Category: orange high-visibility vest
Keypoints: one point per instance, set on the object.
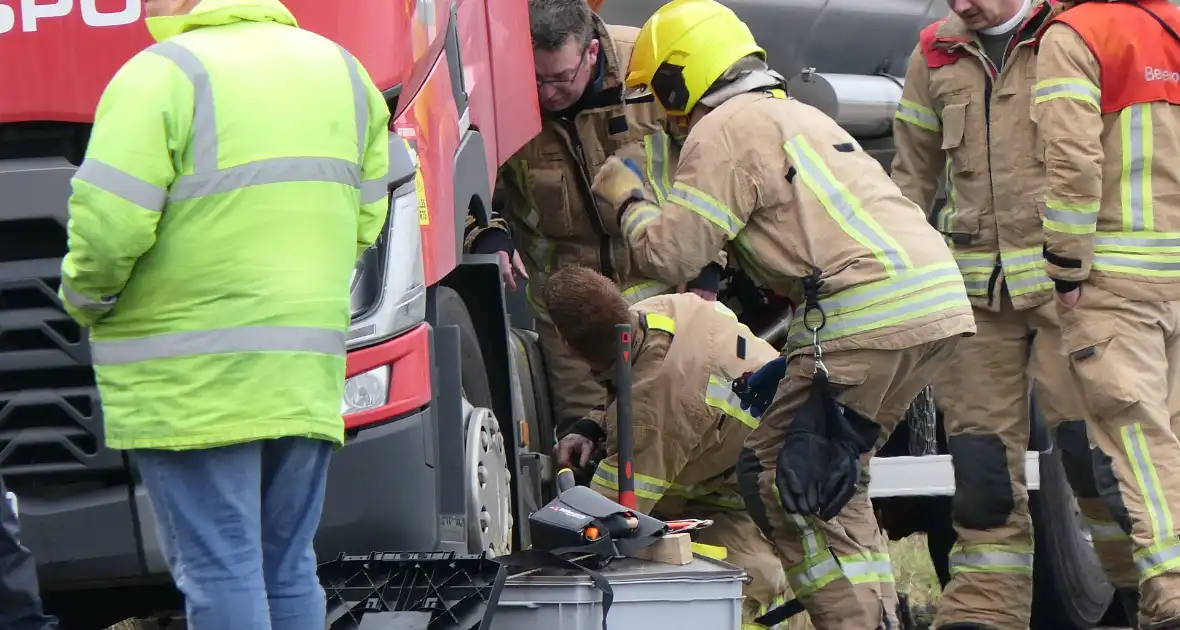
(1139, 60)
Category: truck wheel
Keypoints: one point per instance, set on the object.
(453, 312)
(538, 408)
(1070, 591)
(486, 475)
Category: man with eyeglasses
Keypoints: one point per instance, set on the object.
(546, 212)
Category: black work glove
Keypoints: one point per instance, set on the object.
(709, 279)
(818, 467)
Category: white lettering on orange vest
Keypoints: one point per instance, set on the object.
(1159, 74)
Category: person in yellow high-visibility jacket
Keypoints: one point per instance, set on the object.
(235, 171)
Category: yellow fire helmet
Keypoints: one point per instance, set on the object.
(685, 47)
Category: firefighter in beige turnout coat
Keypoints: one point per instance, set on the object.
(791, 194)
(965, 113)
(688, 425)
(1107, 106)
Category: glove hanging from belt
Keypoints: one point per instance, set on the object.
(818, 468)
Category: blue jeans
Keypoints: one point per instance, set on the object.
(236, 524)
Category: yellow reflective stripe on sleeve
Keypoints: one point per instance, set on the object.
(655, 155)
(1147, 478)
(656, 321)
(86, 303)
(636, 218)
(643, 290)
(1105, 531)
(122, 184)
(229, 340)
(844, 208)
(719, 395)
(1158, 558)
(946, 216)
(1067, 218)
(1135, 184)
(1154, 254)
(976, 268)
(1016, 559)
(647, 487)
(918, 115)
(208, 178)
(707, 208)
(914, 294)
(1076, 89)
(1024, 271)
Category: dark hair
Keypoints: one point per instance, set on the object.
(554, 22)
(585, 307)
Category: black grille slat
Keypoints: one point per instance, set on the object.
(51, 434)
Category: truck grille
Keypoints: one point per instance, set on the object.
(50, 416)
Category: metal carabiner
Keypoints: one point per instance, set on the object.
(818, 356)
(818, 353)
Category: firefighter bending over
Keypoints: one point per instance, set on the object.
(1107, 105)
(984, 54)
(793, 197)
(544, 189)
(688, 425)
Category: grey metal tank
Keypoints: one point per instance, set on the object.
(846, 57)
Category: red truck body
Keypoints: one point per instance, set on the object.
(458, 77)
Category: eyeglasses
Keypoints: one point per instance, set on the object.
(573, 73)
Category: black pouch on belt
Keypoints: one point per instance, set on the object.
(819, 464)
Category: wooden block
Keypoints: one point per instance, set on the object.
(670, 549)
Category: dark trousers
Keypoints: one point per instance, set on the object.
(20, 604)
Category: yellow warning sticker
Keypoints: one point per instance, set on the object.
(423, 211)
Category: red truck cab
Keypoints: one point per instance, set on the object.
(432, 404)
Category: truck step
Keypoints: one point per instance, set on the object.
(928, 475)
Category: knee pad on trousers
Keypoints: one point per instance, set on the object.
(1075, 457)
(1108, 489)
(981, 463)
(748, 471)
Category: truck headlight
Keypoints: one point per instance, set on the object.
(365, 391)
(389, 286)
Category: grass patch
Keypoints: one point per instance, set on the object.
(915, 576)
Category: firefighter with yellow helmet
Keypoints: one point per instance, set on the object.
(799, 205)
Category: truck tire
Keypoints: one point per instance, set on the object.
(538, 407)
(1070, 591)
(474, 374)
(486, 475)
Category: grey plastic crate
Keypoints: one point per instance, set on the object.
(702, 595)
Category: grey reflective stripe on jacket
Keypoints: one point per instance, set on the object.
(208, 179)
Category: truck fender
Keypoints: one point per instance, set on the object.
(473, 191)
